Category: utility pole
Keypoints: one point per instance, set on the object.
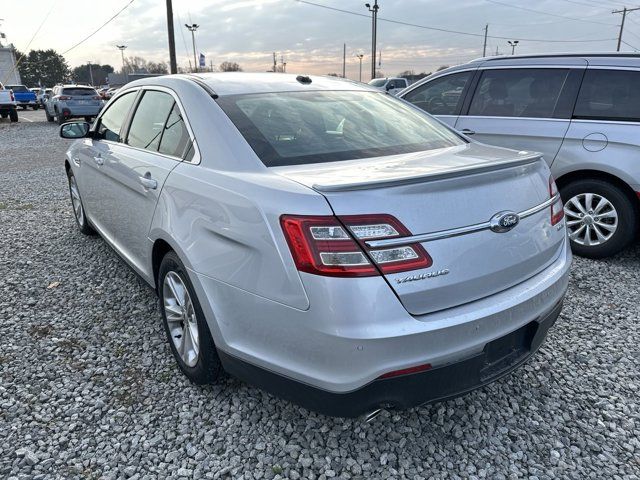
(374, 27)
(344, 60)
(275, 65)
(122, 49)
(513, 44)
(173, 66)
(90, 72)
(192, 28)
(624, 12)
(486, 33)
(360, 55)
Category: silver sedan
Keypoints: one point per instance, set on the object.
(322, 239)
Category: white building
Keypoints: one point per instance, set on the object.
(9, 74)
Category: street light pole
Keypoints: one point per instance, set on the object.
(513, 44)
(374, 27)
(122, 49)
(192, 28)
(360, 55)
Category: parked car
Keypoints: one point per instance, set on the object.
(345, 264)
(391, 85)
(110, 93)
(69, 101)
(24, 97)
(41, 94)
(581, 111)
(8, 104)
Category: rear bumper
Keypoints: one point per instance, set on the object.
(81, 111)
(497, 359)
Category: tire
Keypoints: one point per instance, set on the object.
(203, 368)
(60, 119)
(619, 215)
(77, 206)
(13, 115)
(4, 115)
(36, 107)
(24, 107)
(49, 117)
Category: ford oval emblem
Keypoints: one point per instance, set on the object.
(504, 221)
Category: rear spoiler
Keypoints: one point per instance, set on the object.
(451, 173)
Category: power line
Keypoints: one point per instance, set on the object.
(576, 19)
(457, 32)
(629, 45)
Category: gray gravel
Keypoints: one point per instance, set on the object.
(88, 387)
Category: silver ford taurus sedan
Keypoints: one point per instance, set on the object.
(321, 239)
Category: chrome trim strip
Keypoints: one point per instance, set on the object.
(454, 232)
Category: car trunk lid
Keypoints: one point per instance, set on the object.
(447, 198)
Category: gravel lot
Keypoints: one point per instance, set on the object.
(88, 387)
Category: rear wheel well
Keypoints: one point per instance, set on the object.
(598, 175)
(160, 249)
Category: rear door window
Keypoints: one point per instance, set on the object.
(609, 95)
(149, 120)
(518, 92)
(114, 117)
(175, 139)
(441, 96)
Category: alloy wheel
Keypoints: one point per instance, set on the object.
(591, 219)
(181, 318)
(75, 200)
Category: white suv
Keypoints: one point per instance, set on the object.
(391, 85)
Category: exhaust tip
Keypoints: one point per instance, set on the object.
(369, 417)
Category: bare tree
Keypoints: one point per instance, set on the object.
(442, 67)
(140, 65)
(230, 67)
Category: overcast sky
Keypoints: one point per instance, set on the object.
(310, 37)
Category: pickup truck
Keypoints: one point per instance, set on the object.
(24, 97)
(8, 104)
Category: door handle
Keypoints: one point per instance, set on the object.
(98, 160)
(148, 182)
(466, 131)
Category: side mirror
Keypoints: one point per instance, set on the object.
(389, 86)
(73, 130)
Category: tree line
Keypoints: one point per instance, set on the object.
(48, 68)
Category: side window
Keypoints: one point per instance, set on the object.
(111, 121)
(149, 120)
(442, 96)
(526, 92)
(609, 95)
(175, 138)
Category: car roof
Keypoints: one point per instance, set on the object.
(598, 58)
(236, 83)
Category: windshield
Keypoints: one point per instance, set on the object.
(17, 88)
(79, 91)
(378, 82)
(323, 126)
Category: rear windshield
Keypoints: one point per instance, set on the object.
(323, 126)
(17, 88)
(79, 91)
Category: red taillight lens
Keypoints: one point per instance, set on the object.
(407, 371)
(326, 245)
(64, 97)
(557, 209)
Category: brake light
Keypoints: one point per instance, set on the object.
(557, 209)
(13, 98)
(64, 97)
(335, 246)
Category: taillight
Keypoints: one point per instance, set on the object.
(557, 209)
(64, 97)
(13, 98)
(96, 97)
(335, 246)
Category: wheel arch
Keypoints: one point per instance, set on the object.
(160, 248)
(569, 177)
